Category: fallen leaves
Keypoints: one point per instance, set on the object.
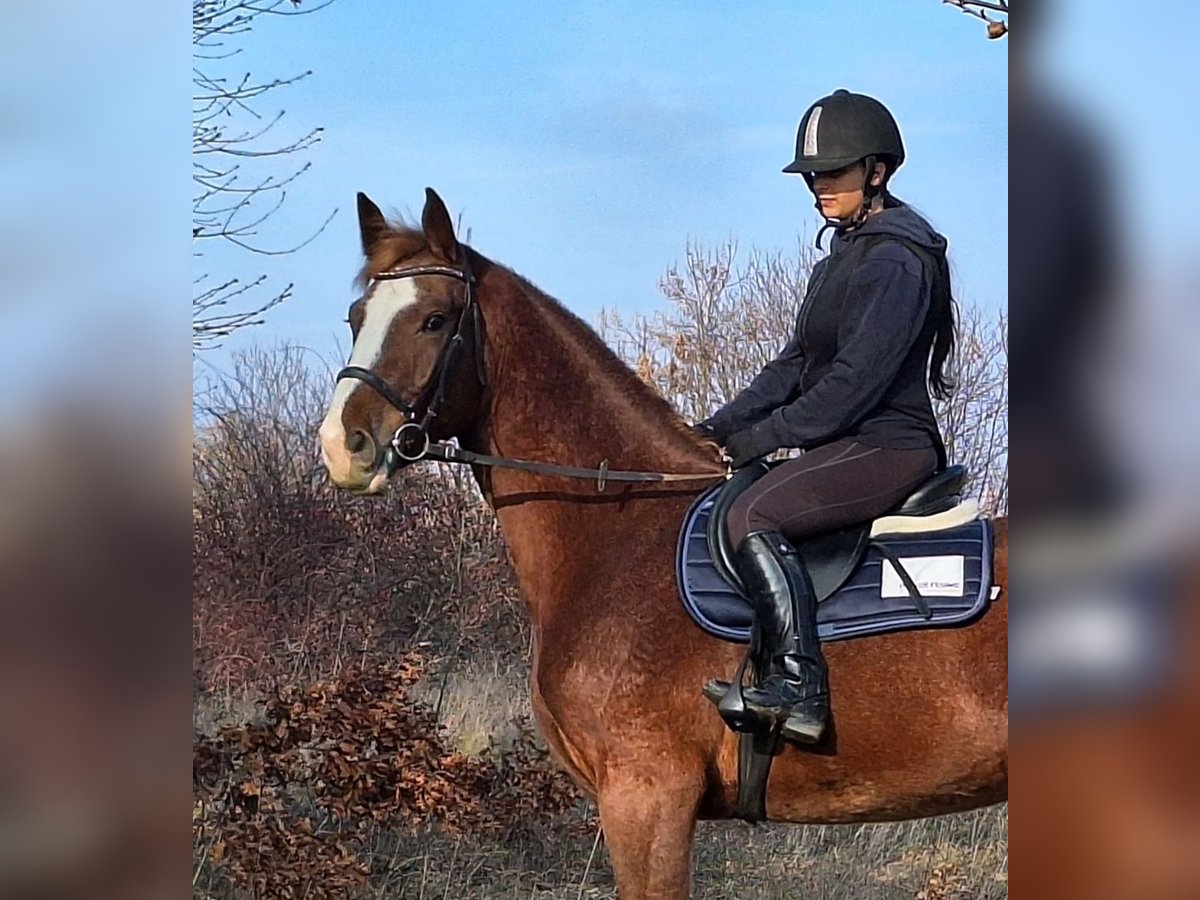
(287, 805)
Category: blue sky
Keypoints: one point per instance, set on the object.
(585, 145)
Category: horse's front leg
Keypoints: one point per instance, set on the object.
(648, 811)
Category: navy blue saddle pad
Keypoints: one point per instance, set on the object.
(952, 567)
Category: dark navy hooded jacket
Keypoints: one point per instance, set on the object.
(856, 365)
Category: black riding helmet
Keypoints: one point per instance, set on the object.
(844, 128)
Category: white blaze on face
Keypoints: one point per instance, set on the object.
(383, 304)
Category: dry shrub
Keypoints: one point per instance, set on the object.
(974, 420)
(724, 320)
(292, 579)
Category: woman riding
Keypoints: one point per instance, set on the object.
(872, 341)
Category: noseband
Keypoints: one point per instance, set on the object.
(415, 430)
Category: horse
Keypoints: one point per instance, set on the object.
(920, 718)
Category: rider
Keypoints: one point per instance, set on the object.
(851, 388)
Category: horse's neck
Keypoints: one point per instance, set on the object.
(557, 396)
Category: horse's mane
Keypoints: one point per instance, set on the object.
(403, 240)
(601, 356)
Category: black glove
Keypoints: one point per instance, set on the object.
(703, 430)
(744, 447)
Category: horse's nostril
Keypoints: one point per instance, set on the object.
(358, 441)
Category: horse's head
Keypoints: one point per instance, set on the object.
(415, 331)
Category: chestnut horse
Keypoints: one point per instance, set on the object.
(920, 719)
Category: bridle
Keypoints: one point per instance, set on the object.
(411, 441)
(415, 430)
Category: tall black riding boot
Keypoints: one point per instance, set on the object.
(793, 686)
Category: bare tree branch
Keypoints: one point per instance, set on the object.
(232, 142)
(996, 27)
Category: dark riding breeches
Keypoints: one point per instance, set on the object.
(829, 487)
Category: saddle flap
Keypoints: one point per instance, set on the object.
(832, 558)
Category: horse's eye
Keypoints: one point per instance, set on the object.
(434, 322)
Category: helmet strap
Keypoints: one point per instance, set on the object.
(870, 192)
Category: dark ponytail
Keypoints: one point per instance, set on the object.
(943, 312)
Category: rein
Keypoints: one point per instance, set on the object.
(414, 433)
(448, 453)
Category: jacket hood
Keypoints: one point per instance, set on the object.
(901, 221)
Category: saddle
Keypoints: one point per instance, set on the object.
(926, 563)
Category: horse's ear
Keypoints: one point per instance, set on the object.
(371, 223)
(439, 230)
